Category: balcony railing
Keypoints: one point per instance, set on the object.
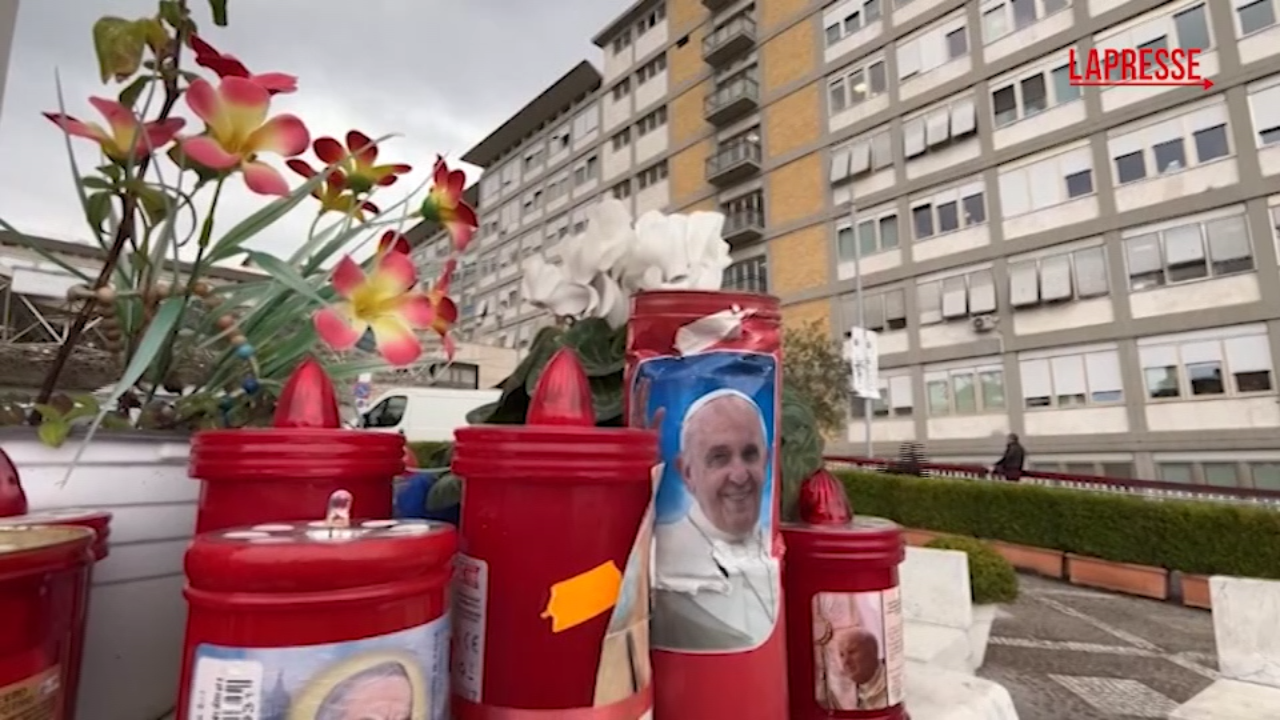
(716, 5)
(732, 100)
(1149, 489)
(734, 161)
(733, 39)
(743, 226)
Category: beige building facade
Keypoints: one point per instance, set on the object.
(1092, 268)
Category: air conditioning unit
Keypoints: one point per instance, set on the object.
(985, 323)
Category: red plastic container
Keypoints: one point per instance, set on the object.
(44, 576)
(553, 514)
(13, 501)
(266, 475)
(844, 620)
(300, 618)
(100, 523)
(714, 628)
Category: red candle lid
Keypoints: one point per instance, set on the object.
(12, 500)
(308, 399)
(823, 500)
(562, 395)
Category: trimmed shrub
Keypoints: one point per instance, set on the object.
(1193, 537)
(992, 579)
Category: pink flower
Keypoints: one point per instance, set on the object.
(384, 302)
(444, 204)
(237, 130)
(128, 138)
(226, 66)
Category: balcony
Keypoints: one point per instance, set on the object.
(716, 5)
(735, 38)
(732, 100)
(734, 161)
(742, 227)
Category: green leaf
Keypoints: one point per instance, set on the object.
(95, 183)
(445, 492)
(48, 411)
(234, 239)
(173, 12)
(219, 8)
(98, 208)
(119, 44)
(606, 398)
(285, 275)
(153, 31)
(85, 406)
(597, 346)
(152, 201)
(481, 415)
(153, 342)
(130, 94)
(54, 432)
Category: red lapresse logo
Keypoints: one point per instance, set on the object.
(1138, 67)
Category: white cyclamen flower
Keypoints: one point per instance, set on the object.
(548, 287)
(677, 252)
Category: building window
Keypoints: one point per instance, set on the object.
(621, 139)
(622, 190)
(622, 42)
(586, 171)
(897, 398)
(622, 89)
(750, 275)
(1189, 251)
(651, 69)
(934, 47)
(1047, 182)
(965, 391)
(1172, 145)
(650, 21)
(1063, 277)
(535, 157)
(958, 296)
(854, 84)
(1187, 29)
(653, 175)
(877, 232)
(1265, 475)
(881, 311)
(868, 153)
(1215, 363)
(747, 208)
(560, 139)
(652, 121)
(1255, 16)
(557, 187)
(587, 122)
(1072, 380)
(1264, 106)
(1033, 93)
(946, 211)
(938, 127)
(856, 19)
(1006, 16)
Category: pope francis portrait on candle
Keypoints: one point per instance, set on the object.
(716, 580)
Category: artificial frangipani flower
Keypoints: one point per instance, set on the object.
(385, 302)
(238, 130)
(444, 204)
(126, 138)
(615, 258)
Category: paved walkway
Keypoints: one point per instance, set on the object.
(1066, 653)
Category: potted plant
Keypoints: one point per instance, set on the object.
(587, 289)
(161, 346)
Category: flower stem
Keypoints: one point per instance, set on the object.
(124, 235)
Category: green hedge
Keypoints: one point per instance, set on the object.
(992, 579)
(1193, 537)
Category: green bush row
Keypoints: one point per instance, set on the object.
(992, 579)
(1193, 537)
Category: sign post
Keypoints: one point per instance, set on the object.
(862, 351)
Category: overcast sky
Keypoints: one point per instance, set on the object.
(444, 74)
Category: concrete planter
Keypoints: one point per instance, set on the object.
(1195, 592)
(1138, 580)
(137, 614)
(1048, 563)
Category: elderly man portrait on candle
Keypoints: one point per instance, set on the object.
(716, 581)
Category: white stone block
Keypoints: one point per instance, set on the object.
(937, 694)
(935, 587)
(937, 646)
(1245, 629)
(984, 616)
(1228, 700)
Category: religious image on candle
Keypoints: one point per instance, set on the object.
(857, 650)
(716, 580)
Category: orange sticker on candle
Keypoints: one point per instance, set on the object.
(583, 597)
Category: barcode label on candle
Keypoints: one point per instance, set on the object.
(226, 690)
(470, 610)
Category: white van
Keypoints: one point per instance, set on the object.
(424, 414)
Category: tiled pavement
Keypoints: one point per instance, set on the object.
(1066, 653)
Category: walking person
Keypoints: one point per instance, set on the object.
(1010, 464)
